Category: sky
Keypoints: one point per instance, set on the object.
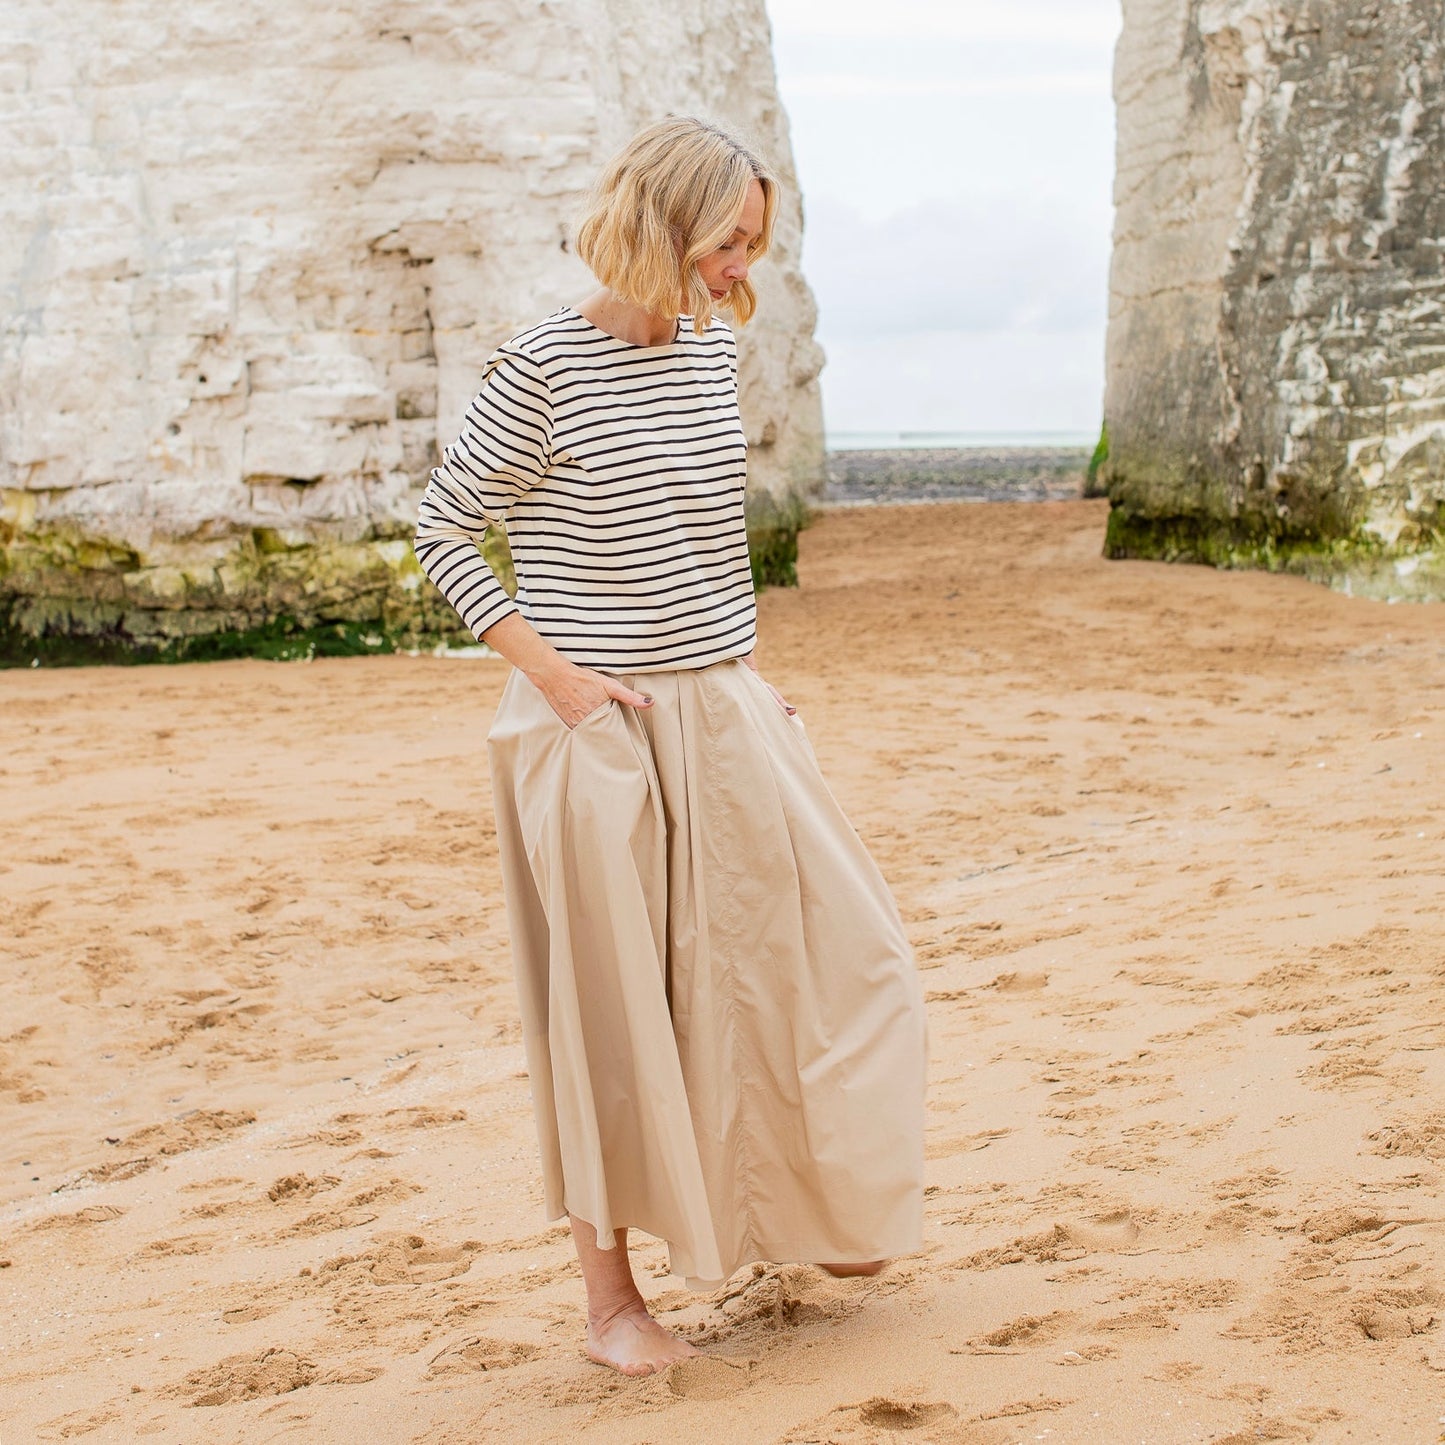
(956, 159)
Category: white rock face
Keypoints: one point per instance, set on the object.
(1276, 356)
(255, 256)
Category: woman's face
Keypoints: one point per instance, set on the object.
(729, 263)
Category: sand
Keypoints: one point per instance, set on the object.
(1169, 843)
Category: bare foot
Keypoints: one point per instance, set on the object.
(851, 1271)
(633, 1343)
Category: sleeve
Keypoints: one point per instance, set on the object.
(503, 451)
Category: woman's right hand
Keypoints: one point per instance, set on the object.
(574, 693)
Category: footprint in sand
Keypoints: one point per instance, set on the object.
(1421, 1138)
(337, 1138)
(144, 1148)
(1087, 1355)
(387, 1191)
(1330, 1225)
(477, 1354)
(272, 1372)
(93, 1214)
(1301, 1317)
(770, 1297)
(1019, 982)
(1025, 1330)
(77, 1422)
(193, 1130)
(899, 1415)
(326, 1222)
(413, 1117)
(111, 1173)
(1144, 1317)
(964, 1143)
(708, 1377)
(419, 1118)
(180, 1245)
(394, 1259)
(862, 1424)
(362, 1207)
(300, 1186)
(1114, 1231)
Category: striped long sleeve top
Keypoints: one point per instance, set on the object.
(618, 472)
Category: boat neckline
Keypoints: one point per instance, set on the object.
(634, 345)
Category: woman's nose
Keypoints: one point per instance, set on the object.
(738, 271)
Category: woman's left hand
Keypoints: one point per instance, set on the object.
(782, 702)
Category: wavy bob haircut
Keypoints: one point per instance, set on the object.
(672, 194)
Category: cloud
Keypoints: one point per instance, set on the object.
(956, 160)
(1085, 22)
(979, 263)
(967, 381)
(852, 86)
(888, 124)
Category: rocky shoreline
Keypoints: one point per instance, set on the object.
(955, 474)
(67, 600)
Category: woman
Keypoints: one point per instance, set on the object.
(723, 1025)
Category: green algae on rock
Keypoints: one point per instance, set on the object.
(1093, 486)
(68, 598)
(1359, 565)
(773, 527)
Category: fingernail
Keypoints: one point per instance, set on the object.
(792, 710)
(646, 699)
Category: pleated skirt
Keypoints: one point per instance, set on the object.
(723, 1022)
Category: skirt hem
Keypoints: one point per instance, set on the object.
(789, 1251)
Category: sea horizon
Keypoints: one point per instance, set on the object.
(852, 441)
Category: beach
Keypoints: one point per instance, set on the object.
(1169, 845)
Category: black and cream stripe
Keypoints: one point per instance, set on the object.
(618, 472)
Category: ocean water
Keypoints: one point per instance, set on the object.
(856, 441)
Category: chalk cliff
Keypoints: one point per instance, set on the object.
(255, 256)
(1276, 352)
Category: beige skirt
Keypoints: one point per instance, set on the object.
(723, 1022)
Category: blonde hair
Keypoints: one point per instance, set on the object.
(669, 196)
